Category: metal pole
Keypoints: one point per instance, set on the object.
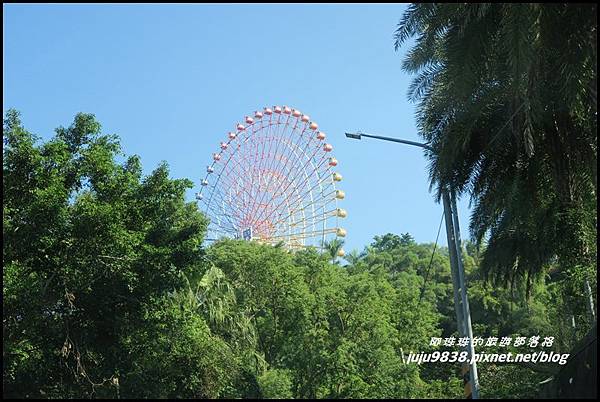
(465, 301)
(453, 263)
(407, 142)
(461, 303)
(464, 325)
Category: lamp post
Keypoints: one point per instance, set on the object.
(461, 302)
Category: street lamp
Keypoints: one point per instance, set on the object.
(461, 302)
(358, 135)
(355, 136)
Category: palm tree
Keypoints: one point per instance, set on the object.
(215, 298)
(333, 248)
(507, 99)
(353, 257)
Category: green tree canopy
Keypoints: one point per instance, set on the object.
(89, 246)
(507, 99)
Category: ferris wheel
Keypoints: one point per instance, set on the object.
(272, 181)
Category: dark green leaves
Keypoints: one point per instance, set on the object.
(505, 97)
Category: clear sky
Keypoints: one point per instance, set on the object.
(172, 80)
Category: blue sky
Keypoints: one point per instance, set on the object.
(172, 80)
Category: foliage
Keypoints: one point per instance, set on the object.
(109, 292)
(88, 245)
(174, 355)
(507, 100)
(332, 248)
(275, 384)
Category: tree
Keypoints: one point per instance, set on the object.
(333, 248)
(174, 355)
(387, 242)
(353, 257)
(275, 384)
(507, 100)
(89, 246)
(108, 293)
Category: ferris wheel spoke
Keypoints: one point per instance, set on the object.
(235, 181)
(304, 194)
(299, 197)
(223, 199)
(221, 214)
(240, 184)
(221, 231)
(285, 137)
(305, 182)
(293, 219)
(285, 189)
(308, 174)
(266, 206)
(238, 146)
(291, 201)
(272, 226)
(278, 128)
(327, 214)
(254, 168)
(319, 204)
(281, 133)
(305, 235)
(279, 191)
(241, 164)
(240, 190)
(225, 205)
(259, 198)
